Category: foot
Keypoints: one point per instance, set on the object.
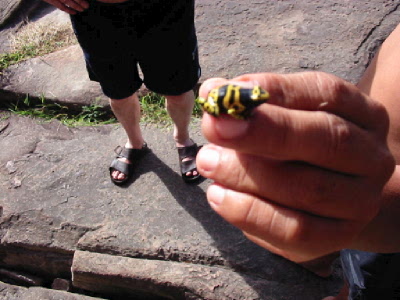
(120, 168)
(187, 155)
(187, 143)
(118, 175)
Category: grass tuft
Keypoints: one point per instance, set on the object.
(89, 115)
(152, 106)
(153, 110)
(36, 40)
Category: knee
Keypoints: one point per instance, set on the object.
(124, 101)
(180, 99)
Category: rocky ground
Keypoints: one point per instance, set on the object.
(64, 226)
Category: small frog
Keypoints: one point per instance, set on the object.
(233, 100)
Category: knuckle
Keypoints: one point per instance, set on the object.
(287, 136)
(298, 233)
(251, 215)
(385, 164)
(382, 118)
(235, 168)
(340, 137)
(335, 90)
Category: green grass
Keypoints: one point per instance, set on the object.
(88, 116)
(8, 59)
(152, 106)
(153, 110)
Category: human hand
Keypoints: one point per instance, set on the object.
(304, 175)
(69, 6)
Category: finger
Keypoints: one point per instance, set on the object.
(285, 229)
(292, 256)
(77, 5)
(209, 84)
(315, 137)
(60, 5)
(264, 244)
(292, 184)
(321, 266)
(321, 91)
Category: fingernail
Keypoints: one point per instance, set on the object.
(208, 159)
(215, 195)
(231, 128)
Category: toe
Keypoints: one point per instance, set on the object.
(121, 176)
(192, 174)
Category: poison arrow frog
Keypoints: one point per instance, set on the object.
(233, 100)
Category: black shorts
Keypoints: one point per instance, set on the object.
(157, 35)
(371, 276)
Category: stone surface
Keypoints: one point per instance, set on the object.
(7, 9)
(11, 292)
(20, 278)
(60, 77)
(121, 275)
(338, 37)
(13, 14)
(158, 235)
(66, 202)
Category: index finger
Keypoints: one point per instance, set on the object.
(315, 91)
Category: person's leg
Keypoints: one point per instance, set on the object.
(127, 111)
(180, 110)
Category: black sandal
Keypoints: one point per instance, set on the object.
(188, 165)
(133, 155)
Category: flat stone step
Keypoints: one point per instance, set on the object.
(12, 292)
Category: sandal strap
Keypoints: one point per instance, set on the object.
(121, 166)
(188, 151)
(188, 166)
(129, 153)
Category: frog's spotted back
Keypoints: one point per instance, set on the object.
(233, 100)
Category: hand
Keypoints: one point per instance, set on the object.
(304, 175)
(69, 6)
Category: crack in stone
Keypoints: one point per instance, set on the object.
(373, 29)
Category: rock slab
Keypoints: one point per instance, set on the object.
(158, 236)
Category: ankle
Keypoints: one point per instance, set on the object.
(183, 142)
(135, 145)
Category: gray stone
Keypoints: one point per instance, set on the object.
(290, 36)
(13, 14)
(114, 275)
(61, 284)
(7, 9)
(11, 292)
(60, 77)
(29, 11)
(158, 235)
(20, 278)
(55, 211)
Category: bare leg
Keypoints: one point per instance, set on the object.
(180, 110)
(127, 111)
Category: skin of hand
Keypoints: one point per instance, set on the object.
(380, 81)
(304, 175)
(69, 6)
